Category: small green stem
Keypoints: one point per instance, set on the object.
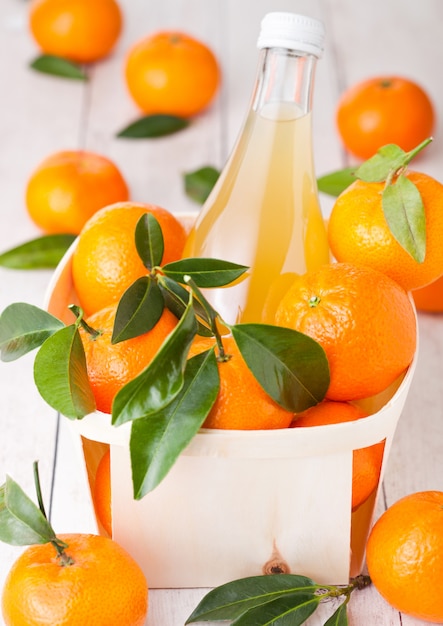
(59, 545)
(78, 312)
(212, 319)
(336, 591)
(407, 159)
(413, 153)
(38, 489)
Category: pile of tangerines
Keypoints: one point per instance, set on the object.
(357, 308)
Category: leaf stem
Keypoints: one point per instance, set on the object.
(413, 153)
(212, 318)
(59, 545)
(78, 312)
(335, 591)
(38, 489)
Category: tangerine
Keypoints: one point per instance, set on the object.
(78, 30)
(103, 586)
(106, 262)
(68, 187)
(359, 233)
(404, 555)
(102, 492)
(172, 73)
(364, 321)
(241, 404)
(110, 366)
(430, 297)
(366, 462)
(384, 110)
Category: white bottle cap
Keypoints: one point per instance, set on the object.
(295, 32)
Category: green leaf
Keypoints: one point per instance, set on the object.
(139, 309)
(404, 212)
(233, 599)
(158, 440)
(151, 126)
(204, 272)
(290, 366)
(339, 618)
(291, 610)
(21, 521)
(384, 163)
(41, 253)
(24, 327)
(176, 298)
(158, 384)
(57, 66)
(149, 241)
(335, 183)
(60, 374)
(199, 183)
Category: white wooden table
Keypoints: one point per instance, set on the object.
(41, 114)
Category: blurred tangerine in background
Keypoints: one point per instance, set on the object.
(79, 30)
(68, 187)
(171, 73)
(384, 110)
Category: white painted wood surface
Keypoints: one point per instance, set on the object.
(40, 114)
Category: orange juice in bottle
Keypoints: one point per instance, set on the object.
(264, 211)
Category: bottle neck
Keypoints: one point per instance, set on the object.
(284, 76)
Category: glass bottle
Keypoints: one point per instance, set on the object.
(264, 210)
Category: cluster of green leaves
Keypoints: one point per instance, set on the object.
(169, 400)
(283, 599)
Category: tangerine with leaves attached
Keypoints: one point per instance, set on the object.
(106, 262)
(359, 233)
(101, 584)
(241, 404)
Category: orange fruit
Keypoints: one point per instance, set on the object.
(364, 321)
(430, 297)
(68, 187)
(383, 110)
(241, 404)
(404, 555)
(172, 73)
(78, 30)
(358, 232)
(366, 462)
(103, 586)
(105, 262)
(102, 492)
(111, 366)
